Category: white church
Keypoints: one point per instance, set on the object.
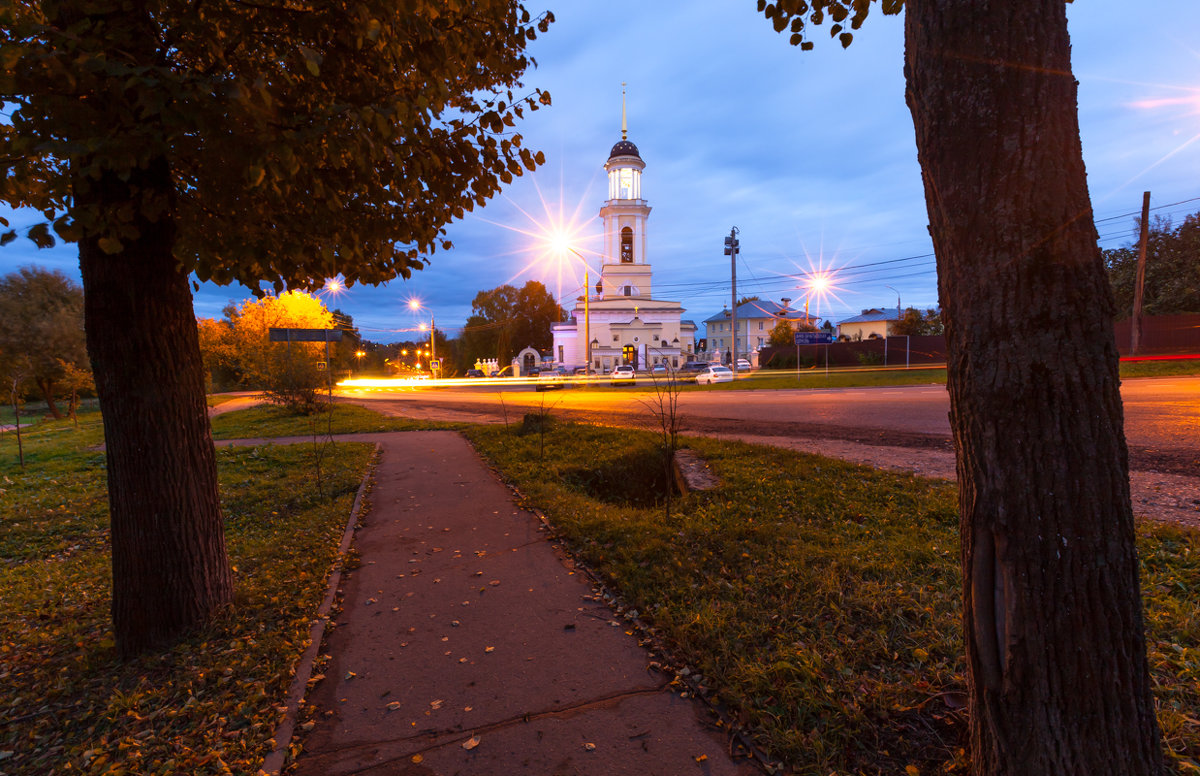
(626, 324)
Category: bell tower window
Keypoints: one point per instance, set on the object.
(627, 245)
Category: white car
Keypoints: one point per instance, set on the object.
(623, 375)
(715, 373)
(743, 364)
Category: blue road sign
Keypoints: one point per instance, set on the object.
(813, 337)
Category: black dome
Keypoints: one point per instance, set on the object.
(624, 148)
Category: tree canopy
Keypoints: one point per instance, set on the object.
(41, 330)
(303, 140)
(506, 319)
(914, 322)
(1172, 283)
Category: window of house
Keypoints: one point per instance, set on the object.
(760, 326)
(560, 355)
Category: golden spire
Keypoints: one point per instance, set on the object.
(624, 126)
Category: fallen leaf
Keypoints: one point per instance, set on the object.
(471, 743)
(489, 649)
(590, 747)
(436, 704)
(416, 758)
(393, 705)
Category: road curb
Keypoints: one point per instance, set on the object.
(273, 762)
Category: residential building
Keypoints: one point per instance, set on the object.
(873, 323)
(756, 320)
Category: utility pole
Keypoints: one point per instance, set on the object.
(433, 347)
(731, 250)
(1135, 325)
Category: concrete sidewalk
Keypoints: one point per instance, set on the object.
(467, 645)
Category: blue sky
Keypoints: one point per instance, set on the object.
(810, 154)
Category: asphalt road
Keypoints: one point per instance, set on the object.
(1162, 415)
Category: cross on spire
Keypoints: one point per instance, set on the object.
(624, 125)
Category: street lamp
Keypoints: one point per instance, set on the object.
(817, 284)
(561, 245)
(415, 305)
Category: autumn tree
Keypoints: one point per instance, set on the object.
(240, 349)
(275, 144)
(782, 335)
(1172, 282)
(1052, 613)
(41, 330)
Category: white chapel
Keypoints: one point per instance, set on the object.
(627, 325)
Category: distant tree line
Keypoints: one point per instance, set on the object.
(1172, 283)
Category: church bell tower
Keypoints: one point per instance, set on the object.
(624, 270)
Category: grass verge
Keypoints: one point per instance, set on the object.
(818, 600)
(864, 377)
(208, 705)
(266, 421)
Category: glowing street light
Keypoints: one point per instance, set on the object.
(561, 244)
(817, 283)
(415, 305)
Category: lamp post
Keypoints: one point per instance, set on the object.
(587, 314)
(415, 305)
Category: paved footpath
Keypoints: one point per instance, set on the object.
(467, 645)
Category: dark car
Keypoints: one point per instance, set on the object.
(693, 367)
(474, 373)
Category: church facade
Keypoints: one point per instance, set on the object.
(620, 316)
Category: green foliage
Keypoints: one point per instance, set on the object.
(916, 323)
(41, 332)
(507, 319)
(299, 143)
(207, 706)
(795, 15)
(819, 600)
(1172, 283)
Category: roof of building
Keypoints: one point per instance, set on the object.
(624, 148)
(874, 315)
(759, 308)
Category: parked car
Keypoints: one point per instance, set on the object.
(743, 364)
(693, 367)
(659, 370)
(549, 379)
(623, 375)
(474, 373)
(715, 373)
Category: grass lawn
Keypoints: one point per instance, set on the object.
(266, 421)
(860, 377)
(818, 600)
(206, 706)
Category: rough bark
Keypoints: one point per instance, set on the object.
(1052, 615)
(170, 571)
(47, 389)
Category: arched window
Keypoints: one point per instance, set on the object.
(627, 246)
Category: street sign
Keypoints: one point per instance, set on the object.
(813, 337)
(305, 335)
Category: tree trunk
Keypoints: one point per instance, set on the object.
(47, 388)
(1052, 611)
(170, 570)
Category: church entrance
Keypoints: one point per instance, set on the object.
(629, 355)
